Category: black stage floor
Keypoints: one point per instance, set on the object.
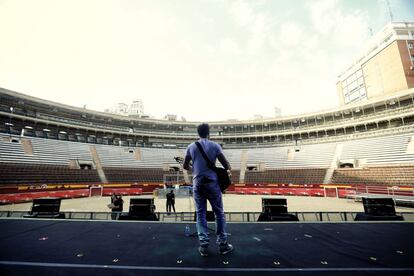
(65, 247)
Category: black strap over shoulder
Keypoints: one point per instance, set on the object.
(223, 177)
(210, 164)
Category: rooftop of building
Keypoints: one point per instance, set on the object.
(388, 34)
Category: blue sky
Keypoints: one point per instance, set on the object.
(204, 60)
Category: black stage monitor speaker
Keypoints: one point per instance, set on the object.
(46, 208)
(209, 216)
(379, 206)
(140, 209)
(141, 206)
(377, 209)
(275, 209)
(274, 205)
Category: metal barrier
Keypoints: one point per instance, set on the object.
(179, 193)
(230, 216)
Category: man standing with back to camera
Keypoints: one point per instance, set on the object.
(206, 187)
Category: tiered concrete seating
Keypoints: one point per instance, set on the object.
(295, 176)
(389, 175)
(16, 173)
(391, 149)
(280, 164)
(45, 151)
(132, 175)
(315, 156)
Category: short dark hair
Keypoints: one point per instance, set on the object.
(203, 130)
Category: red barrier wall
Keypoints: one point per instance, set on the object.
(26, 197)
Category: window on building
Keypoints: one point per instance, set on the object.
(354, 96)
(410, 45)
(352, 78)
(352, 86)
(362, 92)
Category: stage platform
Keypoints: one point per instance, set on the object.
(74, 247)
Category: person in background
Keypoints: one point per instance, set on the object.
(118, 206)
(170, 201)
(111, 205)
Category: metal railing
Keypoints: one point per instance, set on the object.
(246, 217)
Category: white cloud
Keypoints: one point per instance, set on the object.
(324, 15)
(352, 30)
(229, 46)
(329, 20)
(259, 33)
(291, 34)
(254, 23)
(242, 12)
(253, 54)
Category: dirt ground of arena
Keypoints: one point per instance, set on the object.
(232, 203)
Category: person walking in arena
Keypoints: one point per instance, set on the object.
(206, 187)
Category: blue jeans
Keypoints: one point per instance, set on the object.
(211, 192)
